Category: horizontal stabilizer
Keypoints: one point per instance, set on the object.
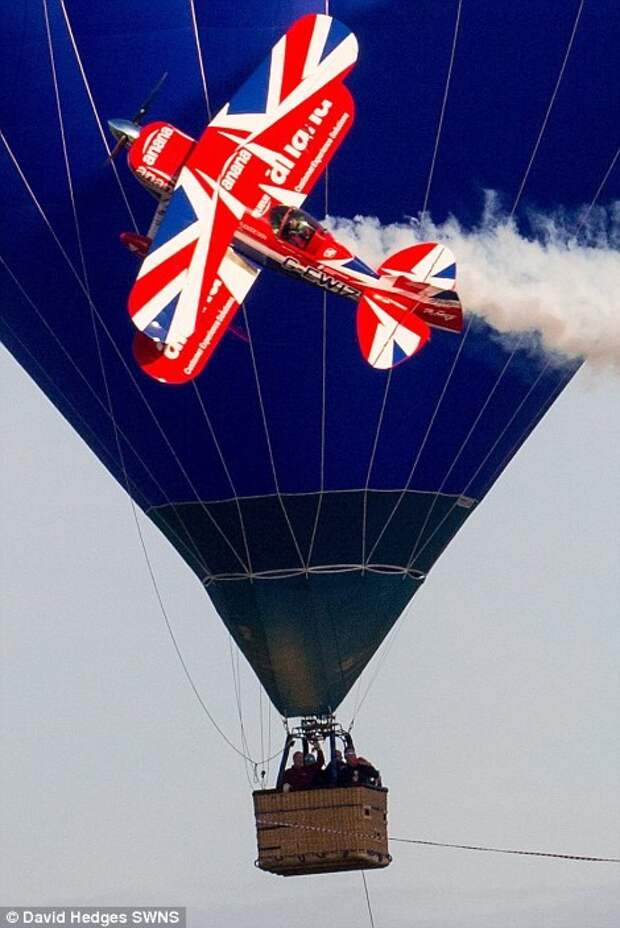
(388, 330)
(425, 263)
(442, 310)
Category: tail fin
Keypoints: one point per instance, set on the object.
(427, 271)
(388, 329)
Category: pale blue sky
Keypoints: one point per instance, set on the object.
(494, 718)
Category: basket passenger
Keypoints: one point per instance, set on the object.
(305, 771)
(358, 771)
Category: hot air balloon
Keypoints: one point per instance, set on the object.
(309, 493)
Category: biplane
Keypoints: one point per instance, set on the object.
(231, 203)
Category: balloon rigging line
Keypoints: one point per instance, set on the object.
(194, 384)
(106, 385)
(443, 107)
(260, 718)
(99, 123)
(65, 151)
(81, 250)
(319, 504)
(120, 453)
(555, 392)
(426, 437)
(503, 850)
(179, 654)
(389, 377)
(486, 458)
(237, 691)
(462, 447)
(108, 408)
(416, 552)
(586, 215)
(221, 455)
(87, 383)
(100, 402)
(321, 494)
(372, 921)
(371, 462)
(95, 113)
(117, 350)
(113, 461)
(268, 439)
(394, 633)
(200, 59)
(488, 398)
(549, 108)
(227, 472)
(104, 452)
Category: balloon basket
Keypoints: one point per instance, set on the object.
(321, 830)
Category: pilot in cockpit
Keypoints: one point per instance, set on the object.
(293, 226)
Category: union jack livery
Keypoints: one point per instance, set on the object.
(230, 204)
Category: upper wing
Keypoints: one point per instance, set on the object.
(271, 142)
(290, 117)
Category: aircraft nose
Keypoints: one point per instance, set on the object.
(124, 130)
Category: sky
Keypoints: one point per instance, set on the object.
(494, 715)
(493, 718)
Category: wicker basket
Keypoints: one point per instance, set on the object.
(321, 830)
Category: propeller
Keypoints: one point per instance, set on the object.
(127, 130)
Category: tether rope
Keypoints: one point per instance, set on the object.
(269, 822)
(503, 850)
(366, 893)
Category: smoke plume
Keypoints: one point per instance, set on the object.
(562, 282)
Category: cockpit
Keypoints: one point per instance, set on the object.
(294, 226)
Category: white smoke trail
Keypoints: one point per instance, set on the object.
(567, 290)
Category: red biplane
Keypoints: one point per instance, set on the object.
(230, 204)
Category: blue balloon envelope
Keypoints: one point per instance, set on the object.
(310, 493)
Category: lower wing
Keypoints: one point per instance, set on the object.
(180, 361)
